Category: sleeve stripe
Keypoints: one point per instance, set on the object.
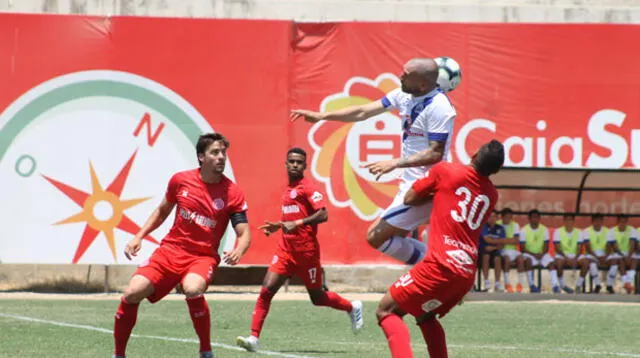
(441, 137)
(385, 102)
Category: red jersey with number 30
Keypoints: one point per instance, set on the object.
(202, 211)
(300, 200)
(462, 204)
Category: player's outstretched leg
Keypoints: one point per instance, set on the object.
(392, 241)
(397, 333)
(434, 336)
(270, 285)
(194, 286)
(139, 288)
(320, 297)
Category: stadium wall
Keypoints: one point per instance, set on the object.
(98, 113)
(546, 11)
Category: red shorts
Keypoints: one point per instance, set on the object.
(430, 287)
(169, 264)
(305, 265)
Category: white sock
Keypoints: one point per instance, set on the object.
(506, 278)
(595, 275)
(521, 277)
(624, 278)
(580, 281)
(562, 281)
(631, 275)
(554, 278)
(611, 276)
(487, 283)
(530, 277)
(407, 250)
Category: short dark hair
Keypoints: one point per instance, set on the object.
(205, 140)
(534, 212)
(569, 215)
(506, 210)
(489, 158)
(297, 150)
(597, 216)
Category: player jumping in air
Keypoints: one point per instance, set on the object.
(206, 201)
(427, 120)
(298, 251)
(463, 198)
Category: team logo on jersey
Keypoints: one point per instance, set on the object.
(293, 194)
(316, 197)
(341, 149)
(97, 179)
(460, 257)
(218, 204)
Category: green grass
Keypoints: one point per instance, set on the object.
(517, 329)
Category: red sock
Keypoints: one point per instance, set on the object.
(433, 334)
(334, 300)
(125, 319)
(199, 312)
(260, 311)
(397, 336)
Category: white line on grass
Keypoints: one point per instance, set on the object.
(161, 338)
(509, 348)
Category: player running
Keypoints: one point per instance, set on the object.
(206, 201)
(298, 251)
(427, 116)
(463, 198)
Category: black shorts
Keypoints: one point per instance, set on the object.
(492, 254)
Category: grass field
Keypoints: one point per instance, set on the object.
(82, 328)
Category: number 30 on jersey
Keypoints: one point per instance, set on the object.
(472, 216)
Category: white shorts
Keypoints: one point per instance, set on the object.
(511, 254)
(544, 262)
(566, 256)
(404, 216)
(598, 253)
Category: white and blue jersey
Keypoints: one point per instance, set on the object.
(425, 118)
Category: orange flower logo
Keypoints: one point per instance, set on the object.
(341, 149)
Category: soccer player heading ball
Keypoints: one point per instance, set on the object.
(206, 201)
(427, 120)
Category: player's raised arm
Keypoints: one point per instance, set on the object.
(349, 114)
(423, 189)
(153, 222)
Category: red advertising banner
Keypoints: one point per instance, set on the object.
(97, 113)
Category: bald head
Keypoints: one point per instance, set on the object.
(420, 76)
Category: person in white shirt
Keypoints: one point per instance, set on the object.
(427, 116)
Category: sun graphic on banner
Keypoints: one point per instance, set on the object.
(102, 210)
(342, 149)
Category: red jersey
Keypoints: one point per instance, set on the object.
(300, 200)
(462, 204)
(202, 211)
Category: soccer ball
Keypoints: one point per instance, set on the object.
(449, 75)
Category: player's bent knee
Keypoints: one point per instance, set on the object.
(193, 285)
(318, 297)
(139, 288)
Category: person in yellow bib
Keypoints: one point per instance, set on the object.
(625, 239)
(567, 240)
(510, 252)
(534, 244)
(598, 247)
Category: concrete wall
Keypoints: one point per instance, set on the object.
(554, 11)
